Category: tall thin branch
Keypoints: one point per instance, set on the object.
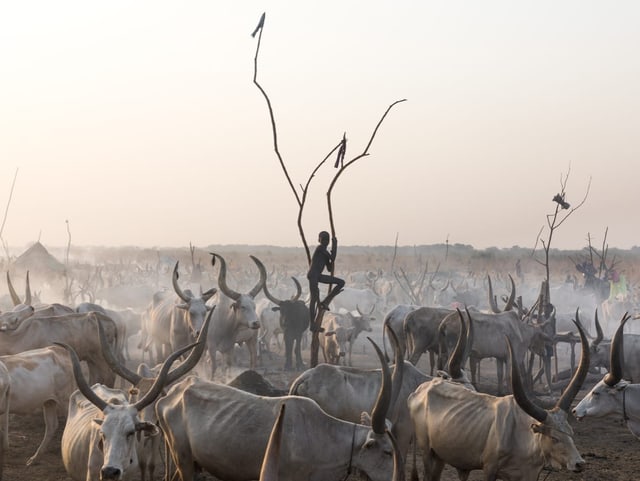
(6, 212)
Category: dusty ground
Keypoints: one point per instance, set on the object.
(610, 450)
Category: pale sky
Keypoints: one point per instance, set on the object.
(138, 122)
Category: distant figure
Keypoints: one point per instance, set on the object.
(322, 258)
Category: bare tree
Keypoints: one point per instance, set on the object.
(554, 221)
(562, 211)
(301, 196)
(4, 218)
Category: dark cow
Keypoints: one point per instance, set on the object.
(294, 321)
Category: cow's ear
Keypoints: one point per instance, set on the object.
(182, 306)
(540, 429)
(365, 418)
(149, 429)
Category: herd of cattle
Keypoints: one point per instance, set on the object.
(334, 419)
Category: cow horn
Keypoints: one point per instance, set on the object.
(269, 296)
(469, 346)
(492, 299)
(380, 408)
(222, 279)
(455, 362)
(176, 287)
(14, 295)
(512, 296)
(195, 354)
(117, 367)
(600, 334)
(579, 376)
(81, 382)
(271, 460)
(398, 465)
(263, 278)
(298, 289)
(519, 394)
(161, 380)
(614, 375)
(398, 371)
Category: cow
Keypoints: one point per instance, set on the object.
(613, 396)
(269, 326)
(271, 463)
(332, 340)
(601, 353)
(486, 329)
(99, 438)
(225, 432)
(78, 330)
(175, 322)
(470, 430)
(395, 320)
(235, 319)
(294, 321)
(253, 382)
(40, 379)
(10, 320)
(421, 333)
(346, 392)
(148, 447)
(351, 299)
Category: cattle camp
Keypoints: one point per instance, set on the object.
(419, 342)
(340, 241)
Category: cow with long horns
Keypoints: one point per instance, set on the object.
(99, 438)
(613, 395)
(235, 319)
(294, 321)
(470, 430)
(225, 431)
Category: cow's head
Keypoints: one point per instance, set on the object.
(608, 396)
(555, 435)
(195, 307)
(119, 421)
(293, 312)
(10, 320)
(243, 307)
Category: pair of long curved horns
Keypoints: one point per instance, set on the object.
(222, 277)
(616, 361)
(14, 295)
(492, 298)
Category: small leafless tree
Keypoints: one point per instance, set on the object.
(5, 246)
(340, 164)
(562, 211)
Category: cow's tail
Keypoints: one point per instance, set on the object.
(414, 466)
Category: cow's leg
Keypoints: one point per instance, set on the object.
(50, 412)
(500, 372)
(473, 364)
(288, 352)
(432, 361)
(252, 345)
(299, 363)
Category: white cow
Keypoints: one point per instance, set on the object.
(225, 431)
(40, 379)
(99, 439)
(613, 395)
(470, 430)
(235, 319)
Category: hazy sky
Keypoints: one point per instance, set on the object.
(138, 122)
